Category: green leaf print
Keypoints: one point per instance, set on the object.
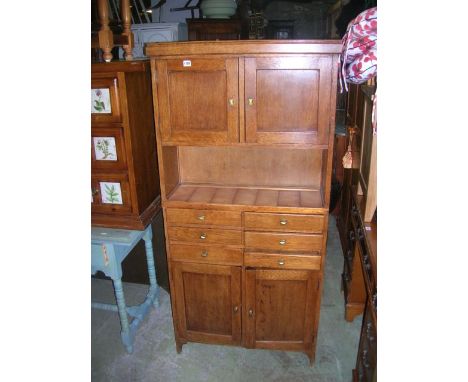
(111, 195)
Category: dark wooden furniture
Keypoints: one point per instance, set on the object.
(245, 143)
(124, 169)
(214, 29)
(366, 244)
(357, 225)
(358, 120)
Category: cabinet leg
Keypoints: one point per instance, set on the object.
(311, 355)
(179, 347)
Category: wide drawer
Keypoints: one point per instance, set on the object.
(205, 235)
(177, 216)
(283, 241)
(206, 254)
(282, 261)
(284, 222)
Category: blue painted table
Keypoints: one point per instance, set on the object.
(109, 247)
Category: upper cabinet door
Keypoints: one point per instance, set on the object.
(287, 99)
(198, 100)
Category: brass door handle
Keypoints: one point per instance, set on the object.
(250, 101)
(250, 312)
(203, 236)
(204, 254)
(236, 309)
(282, 242)
(95, 191)
(231, 102)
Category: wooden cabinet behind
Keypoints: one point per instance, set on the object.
(245, 139)
(125, 177)
(214, 29)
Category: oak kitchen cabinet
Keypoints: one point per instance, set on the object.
(245, 141)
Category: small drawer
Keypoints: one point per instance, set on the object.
(283, 241)
(110, 193)
(282, 261)
(108, 149)
(105, 102)
(284, 222)
(206, 254)
(178, 216)
(205, 235)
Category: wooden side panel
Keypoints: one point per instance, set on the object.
(143, 136)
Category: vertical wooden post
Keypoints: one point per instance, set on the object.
(106, 38)
(126, 22)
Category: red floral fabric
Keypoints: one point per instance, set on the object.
(359, 54)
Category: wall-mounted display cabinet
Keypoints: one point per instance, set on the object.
(245, 138)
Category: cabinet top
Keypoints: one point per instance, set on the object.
(240, 47)
(120, 66)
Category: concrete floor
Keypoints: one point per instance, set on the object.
(155, 359)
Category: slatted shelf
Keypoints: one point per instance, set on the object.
(246, 196)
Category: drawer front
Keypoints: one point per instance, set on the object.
(282, 261)
(178, 216)
(283, 241)
(110, 193)
(205, 235)
(108, 149)
(206, 254)
(105, 102)
(284, 222)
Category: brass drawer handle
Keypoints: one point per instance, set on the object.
(231, 101)
(204, 254)
(201, 217)
(203, 236)
(283, 222)
(282, 242)
(281, 262)
(251, 101)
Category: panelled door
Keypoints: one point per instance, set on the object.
(279, 308)
(208, 303)
(287, 99)
(198, 100)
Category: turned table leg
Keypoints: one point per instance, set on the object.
(125, 333)
(150, 262)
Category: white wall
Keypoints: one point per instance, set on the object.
(164, 15)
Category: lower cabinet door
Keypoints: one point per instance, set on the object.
(208, 302)
(280, 309)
